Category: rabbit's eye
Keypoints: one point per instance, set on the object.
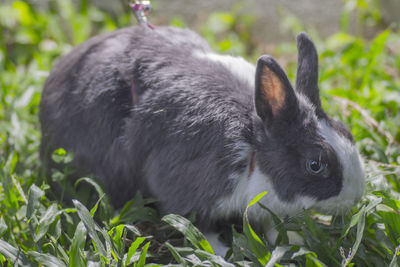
(315, 166)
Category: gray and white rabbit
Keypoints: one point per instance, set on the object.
(158, 111)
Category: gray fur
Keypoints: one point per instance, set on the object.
(192, 126)
(177, 128)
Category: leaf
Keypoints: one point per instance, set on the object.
(279, 226)
(359, 220)
(18, 186)
(105, 200)
(3, 226)
(61, 156)
(26, 98)
(277, 254)
(46, 259)
(61, 251)
(184, 226)
(58, 155)
(373, 202)
(45, 221)
(393, 262)
(142, 259)
(56, 230)
(213, 258)
(136, 210)
(132, 228)
(94, 209)
(15, 255)
(256, 199)
(78, 243)
(116, 234)
(193, 260)
(90, 225)
(35, 193)
(312, 261)
(303, 251)
(376, 48)
(360, 232)
(241, 248)
(109, 245)
(12, 163)
(25, 15)
(257, 246)
(179, 259)
(133, 248)
(392, 225)
(365, 209)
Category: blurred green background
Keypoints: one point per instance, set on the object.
(359, 46)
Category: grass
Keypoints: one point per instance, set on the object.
(360, 85)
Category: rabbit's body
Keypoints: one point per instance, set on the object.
(178, 124)
(159, 112)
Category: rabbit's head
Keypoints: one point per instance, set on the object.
(309, 157)
(303, 157)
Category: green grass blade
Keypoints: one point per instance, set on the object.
(179, 259)
(183, 225)
(3, 226)
(257, 246)
(46, 259)
(242, 249)
(359, 220)
(35, 193)
(109, 245)
(218, 260)
(15, 255)
(277, 254)
(94, 209)
(396, 253)
(133, 248)
(11, 163)
(360, 232)
(90, 225)
(78, 243)
(279, 226)
(142, 259)
(47, 219)
(133, 229)
(376, 49)
(256, 199)
(104, 200)
(312, 261)
(116, 234)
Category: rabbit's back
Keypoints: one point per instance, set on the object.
(152, 110)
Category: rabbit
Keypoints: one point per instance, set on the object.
(159, 112)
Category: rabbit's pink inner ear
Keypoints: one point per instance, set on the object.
(272, 90)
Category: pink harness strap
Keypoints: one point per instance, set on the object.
(252, 164)
(133, 93)
(141, 12)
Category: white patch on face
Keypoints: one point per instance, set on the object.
(353, 171)
(248, 188)
(237, 65)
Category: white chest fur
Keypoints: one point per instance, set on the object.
(249, 187)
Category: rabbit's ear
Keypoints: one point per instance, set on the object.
(274, 96)
(307, 70)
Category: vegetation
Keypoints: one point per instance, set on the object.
(360, 84)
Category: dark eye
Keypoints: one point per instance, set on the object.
(315, 166)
